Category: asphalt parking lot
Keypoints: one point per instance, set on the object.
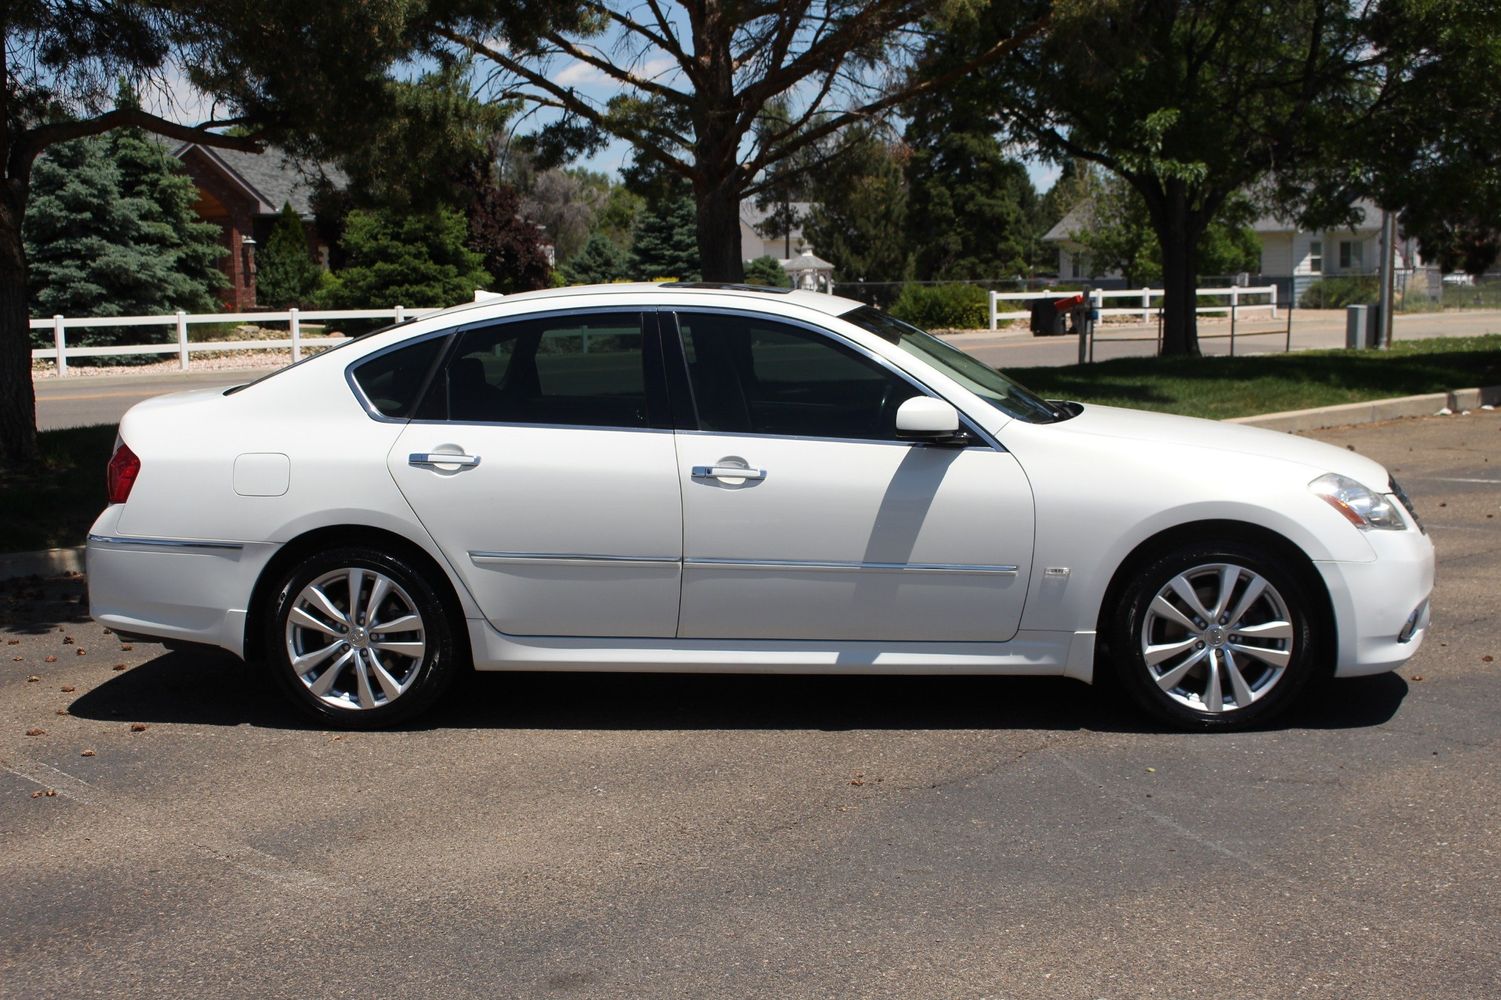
(168, 828)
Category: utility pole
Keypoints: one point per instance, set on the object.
(1388, 274)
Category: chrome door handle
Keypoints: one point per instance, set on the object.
(441, 458)
(727, 472)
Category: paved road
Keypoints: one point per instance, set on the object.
(618, 836)
(79, 401)
(1323, 328)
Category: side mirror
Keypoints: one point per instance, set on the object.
(923, 418)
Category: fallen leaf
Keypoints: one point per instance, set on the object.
(69, 689)
(32, 679)
(17, 659)
(50, 659)
(82, 651)
(34, 731)
(67, 640)
(138, 727)
(61, 711)
(88, 753)
(1416, 677)
(13, 642)
(118, 666)
(1151, 770)
(1487, 659)
(126, 647)
(44, 793)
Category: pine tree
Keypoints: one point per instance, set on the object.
(182, 250)
(666, 244)
(767, 271)
(411, 259)
(859, 215)
(111, 232)
(286, 274)
(600, 262)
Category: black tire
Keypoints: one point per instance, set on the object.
(1266, 669)
(380, 677)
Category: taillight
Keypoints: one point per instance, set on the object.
(121, 474)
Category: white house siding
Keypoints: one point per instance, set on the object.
(1277, 253)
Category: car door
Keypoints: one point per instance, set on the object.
(805, 517)
(542, 463)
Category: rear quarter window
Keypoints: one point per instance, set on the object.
(393, 382)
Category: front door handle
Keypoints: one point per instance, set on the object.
(442, 458)
(727, 472)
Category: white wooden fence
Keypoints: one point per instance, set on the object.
(1142, 301)
(60, 352)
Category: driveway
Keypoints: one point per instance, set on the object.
(631, 835)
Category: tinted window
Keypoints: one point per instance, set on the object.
(757, 376)
(392, 381)
(1011, 398)
(576, 370)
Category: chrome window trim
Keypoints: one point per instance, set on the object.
(844, 566)
(163, 543)
(983, 439)
(454, 331)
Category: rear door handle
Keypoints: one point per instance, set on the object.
(727, 472)
(441, 458)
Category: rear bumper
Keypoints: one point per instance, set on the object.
(1381, 607)
(184, 589)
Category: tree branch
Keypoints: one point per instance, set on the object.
(34, 140)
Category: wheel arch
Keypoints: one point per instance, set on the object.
(1221, 530)
(334, 536)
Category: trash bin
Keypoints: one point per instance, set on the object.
(1046, 320)
(1357, 327)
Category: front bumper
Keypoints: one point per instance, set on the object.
(1381, 609)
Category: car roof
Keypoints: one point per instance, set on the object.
(669, 293)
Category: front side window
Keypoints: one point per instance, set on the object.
(581, 370)
(752, 375)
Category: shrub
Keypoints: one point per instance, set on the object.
(1336, 293)
(767, 271)
(943, 307)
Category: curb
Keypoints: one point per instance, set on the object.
(43, 562)
(54, 562)
(1372, 411)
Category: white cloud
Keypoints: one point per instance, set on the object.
(579, 74)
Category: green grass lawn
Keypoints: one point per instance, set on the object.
(1237, 387)
(54, 504)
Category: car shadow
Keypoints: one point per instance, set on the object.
(205, 687)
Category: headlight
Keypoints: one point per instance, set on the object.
(1362, 507)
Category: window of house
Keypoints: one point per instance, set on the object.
(1351, 255)
(1316, 256)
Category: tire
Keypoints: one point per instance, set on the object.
(1215, 636)
(343, 670)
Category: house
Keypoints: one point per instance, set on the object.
(243, 193)
(753, 244)
(1287, 252)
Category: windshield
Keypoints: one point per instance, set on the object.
(1011, 398)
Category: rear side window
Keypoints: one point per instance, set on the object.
(586, 370)
(394, 381)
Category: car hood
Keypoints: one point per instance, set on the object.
(1169, 431)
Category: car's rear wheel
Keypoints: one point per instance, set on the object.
(359, 638)
(1215, 636)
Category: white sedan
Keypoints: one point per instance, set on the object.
(721, 478)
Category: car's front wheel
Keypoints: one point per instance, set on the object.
(1215, 636)
(359, 638)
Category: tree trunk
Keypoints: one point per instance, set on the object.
(17, 396)
(1178, 231)
(719, 232)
